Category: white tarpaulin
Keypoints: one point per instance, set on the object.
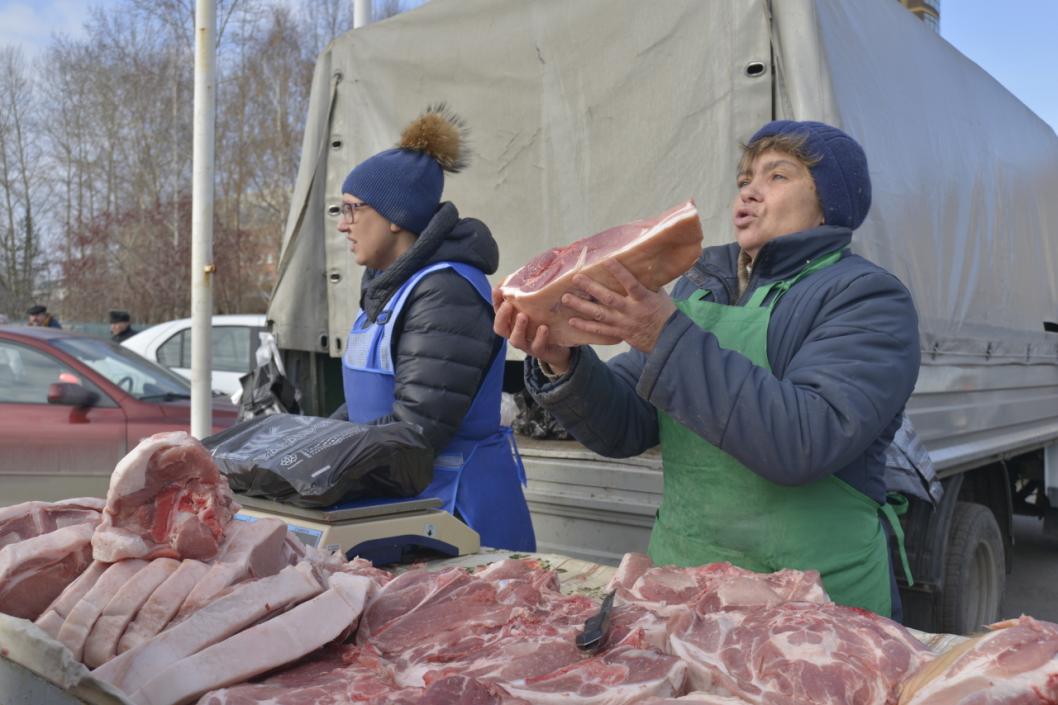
(587, 114)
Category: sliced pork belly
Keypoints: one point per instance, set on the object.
(655, 251)
(78, 625)
(52, 619)
(281, 640)
(35, 571)
(1016, 662)
(102, 641)
(247, 604)
(166, 500)
(30, 519)
(163, 604)
(250, 550)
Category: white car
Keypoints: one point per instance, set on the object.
(234, 341)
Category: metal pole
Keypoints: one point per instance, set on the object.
(202, 267)
(361, 13)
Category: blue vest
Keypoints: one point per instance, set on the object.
(479, 474)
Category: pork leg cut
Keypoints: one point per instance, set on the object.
(655, 251)
(166, 499)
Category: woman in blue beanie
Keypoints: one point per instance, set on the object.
(774, 377)
(422, 349)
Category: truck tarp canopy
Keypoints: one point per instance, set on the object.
(588, 114)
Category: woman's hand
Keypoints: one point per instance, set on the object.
(636, 318)
(514, 326)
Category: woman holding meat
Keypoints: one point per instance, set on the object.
(422, 349)
(774, 378)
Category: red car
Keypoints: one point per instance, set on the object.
(71, 406)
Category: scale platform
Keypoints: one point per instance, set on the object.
(383, 531)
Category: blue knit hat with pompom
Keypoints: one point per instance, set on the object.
(404, 184)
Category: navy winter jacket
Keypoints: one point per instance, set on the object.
(443, 341)
(844, 353)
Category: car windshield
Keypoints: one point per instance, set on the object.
(136, 375)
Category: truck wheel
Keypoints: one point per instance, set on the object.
(974, 570)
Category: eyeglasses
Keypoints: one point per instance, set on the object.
(349, 210)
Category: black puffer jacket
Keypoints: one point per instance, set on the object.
(443, 340)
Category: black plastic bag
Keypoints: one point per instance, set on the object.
(309, 461)
(535, 421)
(267, 389)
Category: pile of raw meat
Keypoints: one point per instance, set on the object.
(170, 600)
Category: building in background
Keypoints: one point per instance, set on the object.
(926, 10)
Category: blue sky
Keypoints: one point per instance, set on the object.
(1011, 39)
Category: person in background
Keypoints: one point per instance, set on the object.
(120, 326)
(38, 316)
(774, 377)
(422, 349)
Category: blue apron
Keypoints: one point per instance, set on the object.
(479, 474)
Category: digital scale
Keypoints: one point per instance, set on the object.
(383, 531)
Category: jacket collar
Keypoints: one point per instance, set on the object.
(779, 259)
(787, 255)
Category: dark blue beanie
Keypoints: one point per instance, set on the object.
(403, 185)
(842, 180)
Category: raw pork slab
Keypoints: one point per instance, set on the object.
(623, 675)
(102, 641)
(246, 605)
(1017, 662)
(30, 519)
(655, 251)
(35, 571)
(78, 625)
(166, 500)
(162, 605)
(52, 619)
(798, 653)
(710, 587)
(251, 549)
(280, 640)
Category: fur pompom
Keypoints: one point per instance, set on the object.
(440, 133)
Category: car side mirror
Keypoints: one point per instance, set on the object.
(71, 395)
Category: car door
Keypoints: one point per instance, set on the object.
(232, 348)
(50, 451)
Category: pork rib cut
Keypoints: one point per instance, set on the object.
(30, 519)
(166, 500)
(655, 251)
(1016, 662)
(35, 571)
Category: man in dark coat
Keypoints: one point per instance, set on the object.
(120, 326)
(38, 316)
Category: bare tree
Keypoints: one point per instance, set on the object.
(22, 256)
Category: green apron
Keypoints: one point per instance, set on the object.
(715, 509)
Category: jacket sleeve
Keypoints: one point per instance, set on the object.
(597, 402)
(441, 355)
(849, 378)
